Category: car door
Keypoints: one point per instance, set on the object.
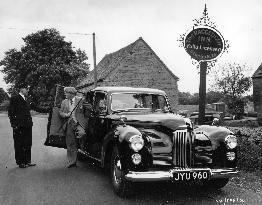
(97, 127)
(55, 133)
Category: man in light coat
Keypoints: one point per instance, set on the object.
(70, 107)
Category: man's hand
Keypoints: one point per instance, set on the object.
(32, 105)
(87, 107)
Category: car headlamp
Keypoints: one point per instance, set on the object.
(231, 156)
(231, 141)
(136, 158)
(136, 142)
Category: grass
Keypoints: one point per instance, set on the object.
(249, 180)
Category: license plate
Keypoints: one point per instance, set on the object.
(191, 175)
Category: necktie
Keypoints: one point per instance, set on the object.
(71, 101)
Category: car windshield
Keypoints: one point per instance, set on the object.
(138, 102)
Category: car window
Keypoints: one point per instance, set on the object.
(100, 102)
(138, 101)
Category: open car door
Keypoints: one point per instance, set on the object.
(55, 133)
(56, 124)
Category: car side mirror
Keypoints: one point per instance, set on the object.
(122, 120)
(215, 122)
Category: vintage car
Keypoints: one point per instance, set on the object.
(138, 138)
(209, 117)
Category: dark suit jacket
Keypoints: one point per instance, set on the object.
(19, 112)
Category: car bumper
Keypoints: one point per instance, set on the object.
(168, 175)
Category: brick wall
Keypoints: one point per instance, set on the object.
(257, 94)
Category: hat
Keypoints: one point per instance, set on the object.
(70, 90)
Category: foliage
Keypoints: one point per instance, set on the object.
(45, 60)
(186, 98)
(249, 98)
(250, 147)
(241, 123)
(230, 79)
(4, 105)
(3, 95)
(213, 97)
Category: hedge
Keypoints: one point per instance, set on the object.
(250, 147)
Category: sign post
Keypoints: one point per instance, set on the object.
(202, 92)
(203, 44)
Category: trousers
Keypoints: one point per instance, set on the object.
(22, 144)
(73, 133)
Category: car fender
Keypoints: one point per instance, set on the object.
(116, 137)
(120, 137)
(216, 134)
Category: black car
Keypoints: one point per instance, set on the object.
(133, 132)
(209, 117)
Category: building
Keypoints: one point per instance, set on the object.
(257, 93)
(219, 107)
(135, 65)
(257, 89)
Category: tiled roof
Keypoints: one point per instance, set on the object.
(258, 72)
(111, 61)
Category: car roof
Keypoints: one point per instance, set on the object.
(129, 89)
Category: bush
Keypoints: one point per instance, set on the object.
(250, 147)
(241, 123)
(4, 105)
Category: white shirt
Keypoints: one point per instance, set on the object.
(22, 95)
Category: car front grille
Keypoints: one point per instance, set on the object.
(182, 148)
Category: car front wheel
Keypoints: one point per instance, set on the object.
(215, 183)
(120, 185)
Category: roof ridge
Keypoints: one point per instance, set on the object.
(107, 56)
(258, 72)
(124, 48)
(160, 60)
(111, 61)
(130, 47)
(113, 53)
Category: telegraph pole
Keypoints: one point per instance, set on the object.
(94, 57)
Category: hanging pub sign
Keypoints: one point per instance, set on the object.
(204, 44)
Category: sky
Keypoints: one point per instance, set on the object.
(118, 23)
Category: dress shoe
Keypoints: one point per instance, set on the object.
(22, 166)
(71, 165)
(30, 164)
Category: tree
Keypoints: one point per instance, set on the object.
(3, 95)
(186, 98)
(230, 79)
(183, 98)
(45, 60)
(213, 97)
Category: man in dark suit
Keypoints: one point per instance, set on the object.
(21, 122)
